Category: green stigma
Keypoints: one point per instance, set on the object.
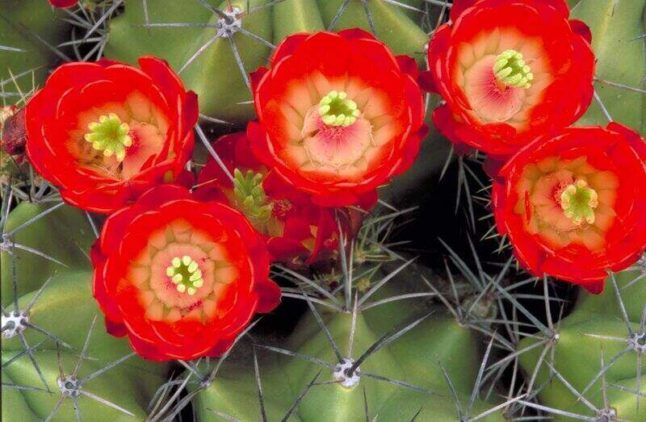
(109, 135)
(510, 69)
(337, 110)
(579, 201)
(185, 274)
(250, 197)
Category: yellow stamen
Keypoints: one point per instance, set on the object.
(511, 70)
(185, 272)
(578, 202)
(336, 109)
(109, 135)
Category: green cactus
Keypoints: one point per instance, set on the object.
(227, 40)
(48, 325)
(30, 32)
(596, 365)
(382, 337)
(39, 240)
(413, 362)
(617, 34)
(428, 367)
(40, 369)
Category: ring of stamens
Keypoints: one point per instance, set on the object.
(109, 135)
(336, 109)
(185, 273)
(511, 70)
(578, 202)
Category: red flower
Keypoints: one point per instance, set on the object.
(106, 132)
(573, 205)
(509, 71)
(338, 115)
(181, 278)
(63, 4)
(296, 229)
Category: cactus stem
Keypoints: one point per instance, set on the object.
(340, 11)
(71, 386)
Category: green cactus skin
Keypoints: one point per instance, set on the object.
(578, 355)
(21, 23)
(394, 27)
(215, 74)
(65, 235)
(437, 348)
(66, 309)
(617, 37)
(419, 358)
(292, 16)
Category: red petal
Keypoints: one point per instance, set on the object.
(269, 295)
(582, 29)
(63, 4)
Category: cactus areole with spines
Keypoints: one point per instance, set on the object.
(14, 323)
(346, 375)
(229, 24)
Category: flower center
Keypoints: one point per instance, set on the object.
(110, 135)
(185, 274)
(510, 69)
(250, 197)
(578, 202)
(337, 110)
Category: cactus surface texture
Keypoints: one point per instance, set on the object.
(377, 208)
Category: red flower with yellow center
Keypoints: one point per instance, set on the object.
(573, 205)
(338, 115)
(181, 278)
(106, 132)
(509, 71)
(297, 231)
